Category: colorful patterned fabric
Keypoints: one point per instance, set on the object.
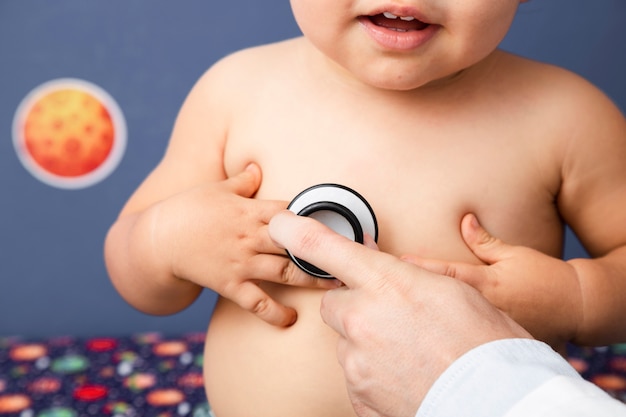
(143, 375)
(604, 366)
(149, 375)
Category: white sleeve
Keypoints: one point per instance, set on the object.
(515, 378)
(567, 397)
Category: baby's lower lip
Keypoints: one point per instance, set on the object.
(398, 35)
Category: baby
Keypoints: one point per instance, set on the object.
(410, 103)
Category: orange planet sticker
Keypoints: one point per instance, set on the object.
(69, 133)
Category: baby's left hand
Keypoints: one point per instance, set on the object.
(538, 291)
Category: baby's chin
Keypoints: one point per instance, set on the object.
(404, 80)
(407, 85)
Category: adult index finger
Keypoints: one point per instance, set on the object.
(352, 263)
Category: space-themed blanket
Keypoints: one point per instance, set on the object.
(141, 375)
(150, 375)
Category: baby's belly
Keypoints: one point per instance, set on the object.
(254, 369)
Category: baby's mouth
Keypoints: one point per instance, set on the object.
(397, 23)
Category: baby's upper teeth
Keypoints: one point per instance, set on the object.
(389, 15)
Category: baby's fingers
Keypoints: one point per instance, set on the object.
(253, 299)
(245, 183)
(475, 275)
(281, 270)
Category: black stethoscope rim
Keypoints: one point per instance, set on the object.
(325, 204)
(340, 209)
(374, 230)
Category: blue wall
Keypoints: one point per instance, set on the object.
(147, 54)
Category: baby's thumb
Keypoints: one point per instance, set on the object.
(486, 247)
(247, 182)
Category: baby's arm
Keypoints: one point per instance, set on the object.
(583, 300)
(592, 201)
(188, 227)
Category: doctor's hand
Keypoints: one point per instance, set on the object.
(400, 326)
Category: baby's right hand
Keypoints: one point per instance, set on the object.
(216, 236)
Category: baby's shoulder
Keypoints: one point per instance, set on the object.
(236, 78)
(244, 68)
(549, 84)
(559, 102)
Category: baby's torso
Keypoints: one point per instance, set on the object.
(421, 164)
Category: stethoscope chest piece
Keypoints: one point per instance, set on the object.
(340, 208)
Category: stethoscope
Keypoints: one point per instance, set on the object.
(340, 208)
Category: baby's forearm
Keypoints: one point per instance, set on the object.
(140, 272)
(603, 287)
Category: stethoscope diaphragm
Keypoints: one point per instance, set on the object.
(340, 208)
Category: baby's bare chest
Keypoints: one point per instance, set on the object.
(419, 178)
